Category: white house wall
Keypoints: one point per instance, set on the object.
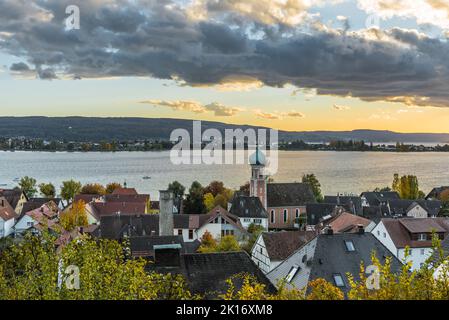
(381, 233)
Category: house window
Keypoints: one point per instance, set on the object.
(190, 234)
(385, 234)
(223, 233)
(411, 252)
(422, 237)
(179, 232)
(257, 221)
(292, 273)
(378, 233)
(261, 250)
(272, 216)
(285, 215)
(338, 279)
(423, 252)
(349, 246)
(297, 213)
(30, 223)
(247, 220)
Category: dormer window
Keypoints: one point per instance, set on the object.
(422, 237)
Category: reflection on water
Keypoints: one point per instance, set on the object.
(337, 171)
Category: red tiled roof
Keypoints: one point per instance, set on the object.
(86, 197)
(125, 191)
(399, 230)
(110, 208)
(6, 211)
(347, 222)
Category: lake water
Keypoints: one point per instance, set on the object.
(349, 172)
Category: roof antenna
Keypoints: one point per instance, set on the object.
(125, 185)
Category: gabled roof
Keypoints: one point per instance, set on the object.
(12, 196)
(206, 273)
(248, 207)
(400, 207)
(280, 245)
(125, 191)
(351, 203)
(375, 214)
(316, 211)
(127, 198)
(112, 208)
(34, 203)
(346, 222)
(6, 210)
(401, 230)
(435, 193)
(116, 226)
(327, 255)
(376, 198)
(289, 194)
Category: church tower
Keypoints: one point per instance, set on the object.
(258, 183)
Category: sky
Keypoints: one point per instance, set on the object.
(297, 65)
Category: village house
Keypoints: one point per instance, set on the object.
(15, 197)
(435, 193)
(271, 248)
(218, 222)
(319, 212)
(376, 199)
(352, 204)
(206, 274)
(249, 210)
(284, 202)
(331, 257)
(7, 218)
(44, 217)
(411, 208)
(346, 222)
(415, 234)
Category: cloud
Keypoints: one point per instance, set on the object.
(340, 107)
(20, 66)
(218, 109)
(264, 41)
(277, 115)
(433, 12)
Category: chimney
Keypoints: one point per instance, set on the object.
(166, 227)
(360, 229)
(3, 202)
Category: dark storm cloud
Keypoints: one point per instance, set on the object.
(159, 39)
(21, 66)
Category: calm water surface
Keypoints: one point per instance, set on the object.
(351, 172)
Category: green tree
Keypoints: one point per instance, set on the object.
(194, 200)
(28, 185)
(47, 190)
(69, 189)
(313, 182)
(178, 191)
(209, 201)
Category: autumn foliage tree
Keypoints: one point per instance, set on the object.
(75, 217)
(93, 188)
(407, 187)
(110, 187)
(34, 270)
